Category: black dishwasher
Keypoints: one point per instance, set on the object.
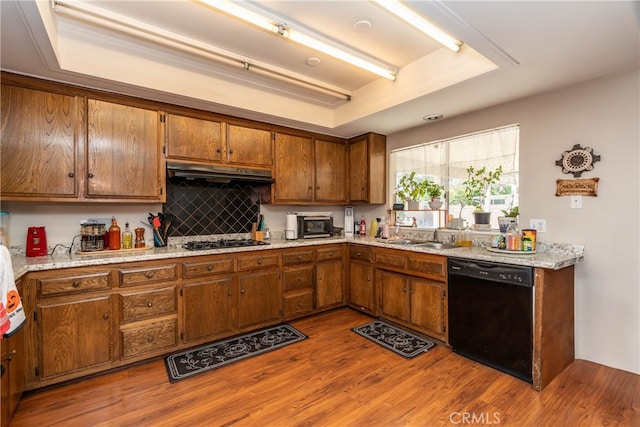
(491, 314)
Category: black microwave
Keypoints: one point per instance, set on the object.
(310, 227)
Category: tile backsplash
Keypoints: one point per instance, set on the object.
(204, 208)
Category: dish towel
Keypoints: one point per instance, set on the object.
(12, 316)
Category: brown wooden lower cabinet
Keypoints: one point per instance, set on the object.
(87, 320)
(208, 305)
(12, 359)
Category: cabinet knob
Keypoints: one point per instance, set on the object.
(149, 275)
(404, 289)
(89, 175)
(149, 339)
(218, 150)
(229, 293)
(75, 284)
(149, 304)
(260, 261)
(317, 188)
(71, 174)
(368, 279)
(230, 151)
(105, 316)
(299, 278)
(210, 267)
(299, 257)
(331, 253)
(320, 277)
(242, 291)
(299, 303)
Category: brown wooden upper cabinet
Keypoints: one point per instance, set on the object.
(190, 138)
(205, 140)
(124, 158)
(248, 146)
(41, 142)
(367, 169)
(310, 170)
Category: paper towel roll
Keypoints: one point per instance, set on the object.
(291, 229)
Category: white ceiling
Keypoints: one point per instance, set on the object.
(511, 49)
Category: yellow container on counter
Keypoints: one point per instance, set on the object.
(529, 240)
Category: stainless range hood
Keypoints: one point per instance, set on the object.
(219, 174)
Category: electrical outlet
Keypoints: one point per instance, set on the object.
(538, 224)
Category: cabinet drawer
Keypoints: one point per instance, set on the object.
(433, 265)
(298, 303)
(145, 275)
(296, 257)
(257, 261)
(361, 253)
(390, 258)
(148, 338)
(331, 252)
(141, 305)
(207, 267)
(298, 278)
(72, 284)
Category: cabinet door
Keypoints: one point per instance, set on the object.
(12, 357)
(75, 335)
(39, 143)
(428, 306)
(395, 295)
(208, 306)
(293, 169)
(193, 139)
(361, 287)
(248, 146)
(331, 171)
(259, 299)
(367, 169)
(329, 284)
(123, 152)
(358, 171)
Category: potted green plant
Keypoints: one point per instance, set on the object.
(434, 191)
(411, 191)
(476, 187)
(510, 217)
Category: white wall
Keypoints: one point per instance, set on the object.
(603, 114)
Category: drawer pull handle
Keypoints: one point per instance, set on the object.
(149, 304)
(75, 284)
(105, 316)
(260, 261)
(149, 275)
(149, 339)
(358, 253)
(210, 267)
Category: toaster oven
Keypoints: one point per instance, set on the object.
(310, 227)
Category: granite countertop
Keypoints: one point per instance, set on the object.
(551, 256)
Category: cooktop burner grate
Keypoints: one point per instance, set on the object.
(201, 245)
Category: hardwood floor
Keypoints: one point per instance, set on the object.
(337, 378)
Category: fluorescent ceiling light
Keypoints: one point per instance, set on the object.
(90, 14)
(277, 25)
(421, 24)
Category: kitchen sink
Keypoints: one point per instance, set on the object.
(436, 245)
(423, 243)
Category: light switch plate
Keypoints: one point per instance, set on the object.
(576, 202)
(538, 224)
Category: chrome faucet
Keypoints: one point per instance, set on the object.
(435, 235)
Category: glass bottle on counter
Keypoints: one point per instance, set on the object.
(114, 235)
(127, 237)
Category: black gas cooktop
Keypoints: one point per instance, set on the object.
(201, 245)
